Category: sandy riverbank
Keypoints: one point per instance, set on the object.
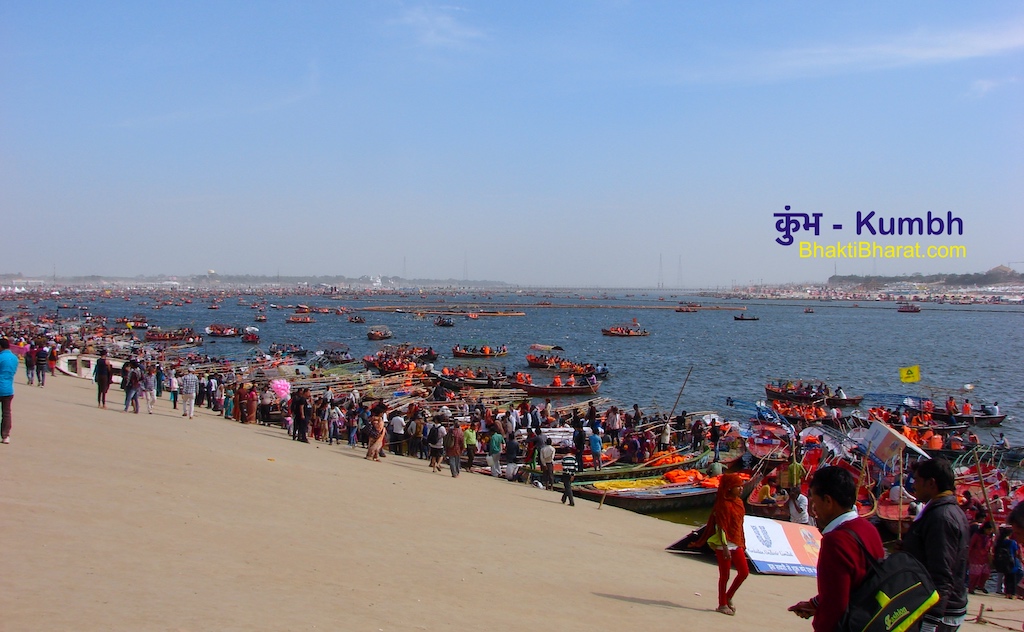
(114, 521)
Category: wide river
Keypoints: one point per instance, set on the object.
(858, 347)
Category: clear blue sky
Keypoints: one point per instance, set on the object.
(556, 143)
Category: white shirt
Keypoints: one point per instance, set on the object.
(839, 520)
(798, 509)
(441, 432)
(397, 424)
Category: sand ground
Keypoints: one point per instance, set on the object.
(114, 521)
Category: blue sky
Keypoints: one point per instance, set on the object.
(551, 143)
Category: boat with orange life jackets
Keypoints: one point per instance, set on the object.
(484, 350)
(626, 330)
(810, 392)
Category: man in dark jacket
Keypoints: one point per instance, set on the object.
(939, 538)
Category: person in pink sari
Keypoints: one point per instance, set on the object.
(979, 558)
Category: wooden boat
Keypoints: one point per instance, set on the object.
(960, 421)
(297, 319)
(654, 498)
(617, 471)
(628, 330)
(183, 334)
(295, 350)
(894, 517)
(484, 351)
(745, 317)
(223, 331)
(83, 364)
(769, 443)
(908, 308)
(867, 504)
(535, 390)
(261, 318)
(458, 383)
(808, 310)
(1002, 493)
(686, 309)
(356, 319)
(661, 498)
(774, 391)
(379, 332)
(444, 321)
(137, 321)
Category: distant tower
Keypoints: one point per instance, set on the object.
(661, 273)
(465, 268)
(679, 273)
(403, 267)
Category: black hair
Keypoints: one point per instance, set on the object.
(836, 482)
(939, 470)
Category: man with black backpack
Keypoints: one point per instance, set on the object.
(939, 539)
(842, 563)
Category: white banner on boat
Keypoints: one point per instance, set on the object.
(782, 548)
(885, 443)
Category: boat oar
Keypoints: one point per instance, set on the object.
(984, 490)
(671, 414)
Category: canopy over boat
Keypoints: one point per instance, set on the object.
(540, 347)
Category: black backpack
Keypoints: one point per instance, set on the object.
(1002, 561)
(432, 435)
(895, 593)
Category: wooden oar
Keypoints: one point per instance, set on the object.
(671, 414)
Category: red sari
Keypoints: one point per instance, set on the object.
(727, 518)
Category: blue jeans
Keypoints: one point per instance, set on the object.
(131, 396)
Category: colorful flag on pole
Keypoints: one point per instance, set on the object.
(910, 373)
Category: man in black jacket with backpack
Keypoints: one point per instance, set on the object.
(939, 539)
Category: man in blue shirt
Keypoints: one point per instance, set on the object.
(8, 367)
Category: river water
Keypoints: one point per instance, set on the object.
(857, 347)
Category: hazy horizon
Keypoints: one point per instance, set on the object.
(603, 144)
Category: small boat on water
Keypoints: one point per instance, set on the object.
(908, 308)
(379, 332)
(769, 443)
(261, 318)
(745, 317)
(802, 392)
(288, 349)
(296, 319)
(356, 319)
(480, 380)
(444, 321)
(808, 310)
(479, 351)
(589, 387)
(627, 330)
(686, 309)
(250, 338)
(183, 334)
(223, 331)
